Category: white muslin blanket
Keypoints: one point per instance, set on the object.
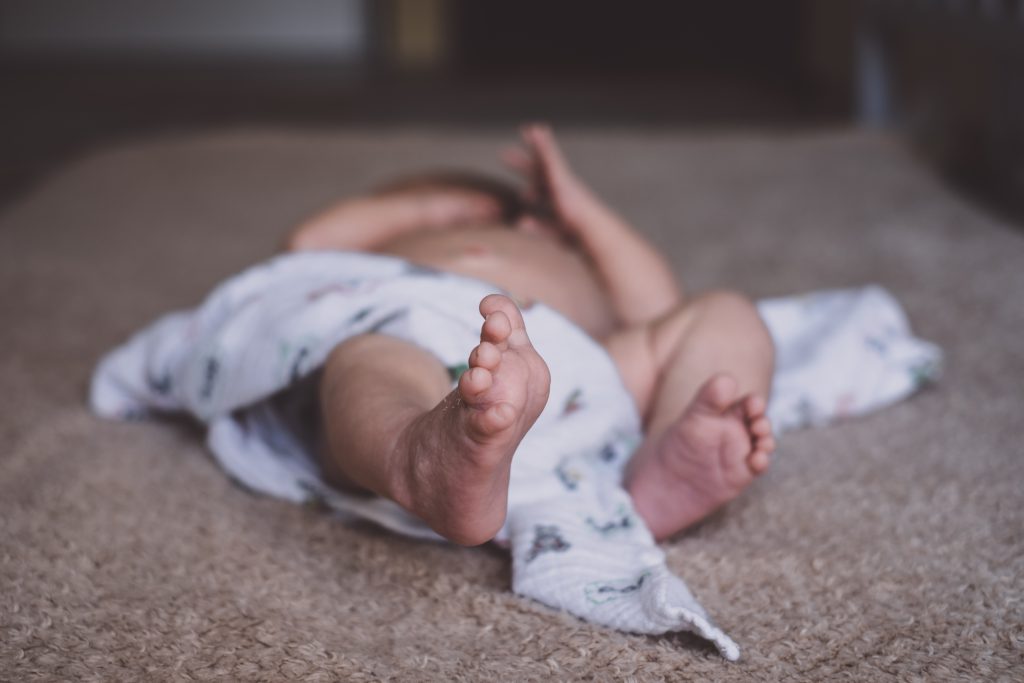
(246, 362)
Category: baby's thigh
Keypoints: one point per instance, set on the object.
(631, 349)
(643, 352)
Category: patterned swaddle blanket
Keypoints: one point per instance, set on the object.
(245, 363)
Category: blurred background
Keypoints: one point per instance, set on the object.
(946, 74)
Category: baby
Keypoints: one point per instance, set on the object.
(698, 368)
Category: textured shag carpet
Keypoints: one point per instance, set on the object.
(889, 547)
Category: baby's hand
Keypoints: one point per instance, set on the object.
(552, 186)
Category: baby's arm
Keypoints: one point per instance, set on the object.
(358, 224)
(638, 279)
(367, 222)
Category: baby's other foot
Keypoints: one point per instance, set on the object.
(703, 460)
(460, 453)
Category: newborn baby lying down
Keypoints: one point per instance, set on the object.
(598, 411)
(698, 368)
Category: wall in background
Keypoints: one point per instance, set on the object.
(243, 29)
(951, 76)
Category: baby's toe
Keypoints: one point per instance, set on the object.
(758, 461)
(496, 328)
(486, 356)
(498, 417)
(761, 427)
(474, 382)
(717, 394)
(754, 406)
(499, 302)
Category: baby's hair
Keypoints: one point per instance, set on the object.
(504, 192)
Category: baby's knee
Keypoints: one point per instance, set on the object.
(727, 301)
(632, 349)
(738, 312)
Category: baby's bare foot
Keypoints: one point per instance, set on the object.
(703, 460)
(454, 471)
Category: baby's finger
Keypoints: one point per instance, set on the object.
(547, 149)
(526, 134)
(516, 159)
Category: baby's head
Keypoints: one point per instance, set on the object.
(453, 196)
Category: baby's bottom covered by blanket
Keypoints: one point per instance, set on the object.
(246, 363)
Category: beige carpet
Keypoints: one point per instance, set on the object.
(890, 547)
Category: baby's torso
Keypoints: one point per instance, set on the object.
(532, 267)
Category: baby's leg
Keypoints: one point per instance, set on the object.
(394, 428)
(701, 377)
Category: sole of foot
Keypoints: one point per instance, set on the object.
(707, 457)
(458, 455)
